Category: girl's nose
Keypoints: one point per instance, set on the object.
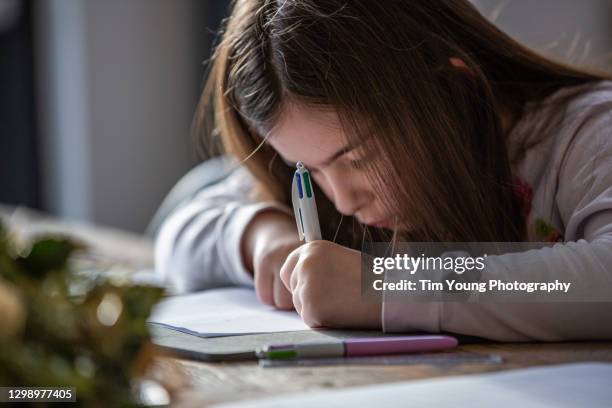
(347, 199)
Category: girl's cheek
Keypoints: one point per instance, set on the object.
(380, 196)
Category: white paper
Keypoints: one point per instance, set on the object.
(569, 385)
(224, 312)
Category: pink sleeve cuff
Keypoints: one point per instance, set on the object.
(399, 315)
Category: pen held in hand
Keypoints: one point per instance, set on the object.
(304, 205)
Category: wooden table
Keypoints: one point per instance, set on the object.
(217, 382)
(205, 383)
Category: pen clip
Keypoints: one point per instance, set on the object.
(296, 207)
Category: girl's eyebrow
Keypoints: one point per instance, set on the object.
(341, 152)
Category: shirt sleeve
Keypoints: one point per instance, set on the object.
(199, 244)
(584, 200)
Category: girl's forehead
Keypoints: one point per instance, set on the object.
(306, 134)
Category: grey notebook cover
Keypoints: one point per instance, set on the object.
(232, 348)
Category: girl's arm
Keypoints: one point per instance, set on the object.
(199, 246)
(583, 198)
(544, 321)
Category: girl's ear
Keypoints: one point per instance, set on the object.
(458, 63)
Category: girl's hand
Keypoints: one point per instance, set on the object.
(269, 238)
(325, 281)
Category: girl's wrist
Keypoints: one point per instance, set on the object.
(264, 227)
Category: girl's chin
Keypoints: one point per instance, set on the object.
(382, 224)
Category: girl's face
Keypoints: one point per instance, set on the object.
(316, 138)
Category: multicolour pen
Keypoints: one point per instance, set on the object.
(304, 205)
(358, 347)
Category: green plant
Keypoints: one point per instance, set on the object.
(54, 337)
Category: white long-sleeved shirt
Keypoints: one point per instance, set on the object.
(570, 175)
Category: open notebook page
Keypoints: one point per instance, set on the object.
(223, 312)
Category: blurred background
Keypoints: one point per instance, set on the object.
(97, 96)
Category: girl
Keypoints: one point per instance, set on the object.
(419, 121)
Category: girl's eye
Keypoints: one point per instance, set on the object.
(358, 164)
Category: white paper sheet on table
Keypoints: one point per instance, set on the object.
(223, 312)
(568, 385)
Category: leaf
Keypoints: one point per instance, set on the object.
(46, 255)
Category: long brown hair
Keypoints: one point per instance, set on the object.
(434, 130)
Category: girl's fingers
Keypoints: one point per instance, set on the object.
(287, 269)
(293, 280)
(264, 286)
(282, 296)
(297, 301)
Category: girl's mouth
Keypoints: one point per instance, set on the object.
(380, 224)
